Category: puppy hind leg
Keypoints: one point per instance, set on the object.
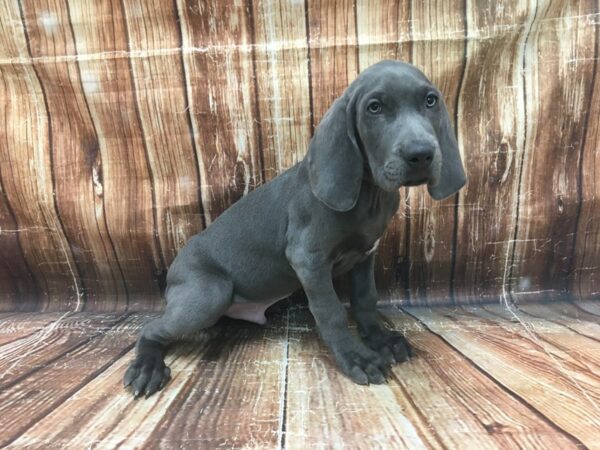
(191, 306)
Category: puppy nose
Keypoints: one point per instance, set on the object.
(419, 156)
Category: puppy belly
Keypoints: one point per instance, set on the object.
(252, 312)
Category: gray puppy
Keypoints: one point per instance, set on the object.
(319, 219)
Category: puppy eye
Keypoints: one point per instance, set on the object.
(431, 100)
(374, 107)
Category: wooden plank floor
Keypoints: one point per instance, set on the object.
(483, 377)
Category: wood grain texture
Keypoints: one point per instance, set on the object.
(130, 125)
(217, 38)
(21, 357)
(325, 409)
(25, 403)
(282, 83)
(447, 388)
(239, 385)
(124, 177)
(494, 131)
(73, 145)
(527, 362)
(19, 325)
(161, 98)
(570, 315)
(584, 282)
(332, 51)
(28, 182)
(558, 90)
(226, 391)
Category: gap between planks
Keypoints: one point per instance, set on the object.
(283, 390)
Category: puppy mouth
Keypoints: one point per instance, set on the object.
(416, 182)
(396, 179)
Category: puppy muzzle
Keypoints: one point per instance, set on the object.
(395, 171)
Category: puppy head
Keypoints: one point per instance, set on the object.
(392, 122)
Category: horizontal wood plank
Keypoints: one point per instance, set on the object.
(26, 355)
(479, 380)
(226, 391)
(592, 307)
(437, 400)
(455, 395)
(551, 331)
(567, 314)
(534, 369)
(45, 389)
(16, 326)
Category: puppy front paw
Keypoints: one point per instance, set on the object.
(363, 366)
(146, 375)
(391, 345)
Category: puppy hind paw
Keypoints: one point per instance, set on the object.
(146, 375)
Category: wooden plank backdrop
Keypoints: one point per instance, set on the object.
(129, 125)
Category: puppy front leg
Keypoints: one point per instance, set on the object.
(354, 359)
(391, 345)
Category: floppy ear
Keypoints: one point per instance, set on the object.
(452, 175)
(335, 164)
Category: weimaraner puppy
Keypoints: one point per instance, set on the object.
(319, 219)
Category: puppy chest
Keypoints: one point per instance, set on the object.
(348, 257)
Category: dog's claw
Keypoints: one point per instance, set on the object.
(146, 375)
(375, 375)
(167, 377)
(363, 366)
(389, 344)
(359, 376)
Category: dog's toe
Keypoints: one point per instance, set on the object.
(146, 375)
(363, 367)
(391, 345)
(401, 350)
(130, 375)
(358, 375)
(375, 375)
(387, 355)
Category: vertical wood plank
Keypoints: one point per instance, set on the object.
(491, 124)
(160, 93)
(218, 63)
(122, 117)
(27, 172)
(584, 281)
(383, 31)
(18, 288)
(77, 165)
(333, 51)
(282, 77)
(126, 183)
(559, 73)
